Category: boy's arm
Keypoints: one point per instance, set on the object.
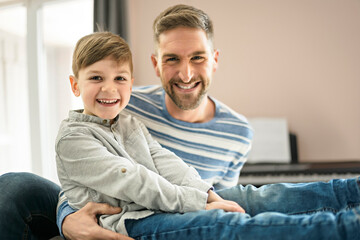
(84, 161)
(173, 168)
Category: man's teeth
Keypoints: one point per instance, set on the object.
(186, 87)
(107, 101)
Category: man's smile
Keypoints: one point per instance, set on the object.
(187, 86)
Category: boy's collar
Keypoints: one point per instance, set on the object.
(79, 116)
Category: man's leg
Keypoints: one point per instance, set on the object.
(217, 224)
(27, 207)
(296, 198)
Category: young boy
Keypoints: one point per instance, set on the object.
(105, 155)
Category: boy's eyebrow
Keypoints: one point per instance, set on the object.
(94, 71)
(99, 71)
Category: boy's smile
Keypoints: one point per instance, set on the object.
(105, 87)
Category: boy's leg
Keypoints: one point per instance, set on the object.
(296, 198)
(217, 224)
(27, 207)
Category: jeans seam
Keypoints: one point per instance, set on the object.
(159, 234)
(26, 232)
(328, 209)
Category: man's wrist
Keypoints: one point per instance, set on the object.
(62, 212)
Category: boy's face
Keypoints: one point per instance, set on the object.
(105, 87)
(185, 62)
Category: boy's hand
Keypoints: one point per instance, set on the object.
(216, 202)
(83, 224)
(228, 206)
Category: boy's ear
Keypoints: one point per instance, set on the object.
(74, 86)
(155, 64)
(132, 83)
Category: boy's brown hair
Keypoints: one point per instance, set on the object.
(182, 16)
(97, 46)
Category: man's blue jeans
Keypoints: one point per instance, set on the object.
(27, 207)
(279, 211)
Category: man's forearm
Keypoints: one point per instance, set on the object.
(63, 210)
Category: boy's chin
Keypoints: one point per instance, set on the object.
(109, 116)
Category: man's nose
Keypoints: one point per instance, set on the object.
(186, 72)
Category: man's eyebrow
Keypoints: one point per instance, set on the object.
(190, 55)
(198, 53)
(169, 55)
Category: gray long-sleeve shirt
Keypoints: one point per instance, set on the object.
(122, 165)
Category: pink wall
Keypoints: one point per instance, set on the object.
(298, 59)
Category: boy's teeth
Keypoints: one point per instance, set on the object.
(107, 101)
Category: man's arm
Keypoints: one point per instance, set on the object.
(83, 224)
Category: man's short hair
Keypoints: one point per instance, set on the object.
(182, 16)
(97, 46)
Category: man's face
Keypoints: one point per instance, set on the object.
(185, 63)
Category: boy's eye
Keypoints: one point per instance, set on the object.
(120, 78)
(97, 78)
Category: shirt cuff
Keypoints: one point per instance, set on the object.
(63, 210)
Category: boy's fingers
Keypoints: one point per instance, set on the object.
(233, 208)
(225, 206)
(237, 207)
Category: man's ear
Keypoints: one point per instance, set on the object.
(215, 58)
(74, 86)
(155, 64)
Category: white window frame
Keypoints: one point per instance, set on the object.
(35, 74)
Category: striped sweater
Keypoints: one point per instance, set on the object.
(216, 149)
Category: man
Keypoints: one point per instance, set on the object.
(185, 61)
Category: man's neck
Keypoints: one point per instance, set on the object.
(203, 113)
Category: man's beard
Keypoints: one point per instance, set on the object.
(187, 101)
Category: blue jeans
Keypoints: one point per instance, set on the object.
(27, 207)
(278, 211)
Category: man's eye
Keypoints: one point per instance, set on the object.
(172, 59)
(97, 78)
(197, 59)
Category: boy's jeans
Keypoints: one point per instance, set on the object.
(303, 211)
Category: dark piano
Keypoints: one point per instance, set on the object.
(260, 174)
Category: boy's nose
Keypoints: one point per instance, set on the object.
(186, 73)
(108, 88)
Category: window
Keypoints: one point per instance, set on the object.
(32, 109)
(14, 117)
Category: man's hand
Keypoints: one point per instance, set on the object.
(83, 224)
(216, 202)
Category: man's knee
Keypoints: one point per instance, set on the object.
(18, 189)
